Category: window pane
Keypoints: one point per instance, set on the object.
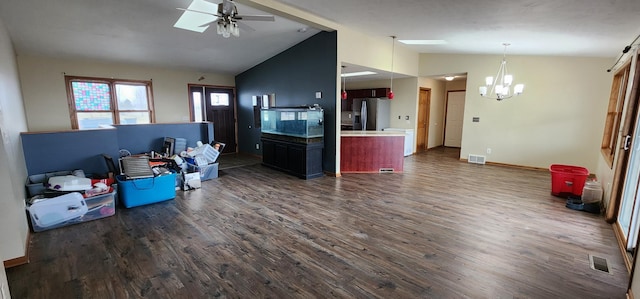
(93, 120)
(131, 97)
(197, 106)
(219, 99)
(90, 96)
(134, 118)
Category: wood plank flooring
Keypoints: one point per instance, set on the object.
(441, 229)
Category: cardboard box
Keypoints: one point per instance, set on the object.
(139, 192)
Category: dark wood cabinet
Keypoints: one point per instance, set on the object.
(346, 105)
(366, 93)
(302, 159)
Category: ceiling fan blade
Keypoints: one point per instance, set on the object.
(245, 27)
(197, 11)
(255, 18)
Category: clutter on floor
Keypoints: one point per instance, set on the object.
(582, 191)
(62, 198)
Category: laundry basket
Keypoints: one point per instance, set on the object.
(567, 180)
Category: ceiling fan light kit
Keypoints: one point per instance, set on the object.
(499, 88)
(226, 29)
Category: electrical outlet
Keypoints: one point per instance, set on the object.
(488, 150)
(257, 146)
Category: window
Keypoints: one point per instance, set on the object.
(614, 114)
(94, 102)
(219, 99)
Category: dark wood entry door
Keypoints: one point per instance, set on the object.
(219, 106)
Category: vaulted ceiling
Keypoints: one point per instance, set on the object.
(142, 32)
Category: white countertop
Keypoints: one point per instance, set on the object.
(359, 133)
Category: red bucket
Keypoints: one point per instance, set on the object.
(567, 180)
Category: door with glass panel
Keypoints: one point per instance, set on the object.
(216, 105)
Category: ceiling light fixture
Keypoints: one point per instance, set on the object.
(227, 27)
(449, 78)
(356, 74)
(500, 88)
(344, 86)
(393, 48)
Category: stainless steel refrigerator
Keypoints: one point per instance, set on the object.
(371, 114)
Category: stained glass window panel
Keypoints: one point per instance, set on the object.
(132, 97)
(91, 96)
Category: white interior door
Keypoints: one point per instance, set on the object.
(454, 119)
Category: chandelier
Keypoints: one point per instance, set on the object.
(227, 27)
(500, 87)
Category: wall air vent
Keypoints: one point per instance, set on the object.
(476, 159)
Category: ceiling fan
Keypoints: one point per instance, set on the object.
(200, 14)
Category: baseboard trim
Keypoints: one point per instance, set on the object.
(509, 165)
(332, 174)
(21, 260)
(617, 232)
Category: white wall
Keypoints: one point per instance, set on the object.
(13, 222)
(559, 118)
(45, 95)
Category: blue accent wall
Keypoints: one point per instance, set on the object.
(294, 76)
(83, 149)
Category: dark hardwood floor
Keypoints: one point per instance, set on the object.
(441, 229)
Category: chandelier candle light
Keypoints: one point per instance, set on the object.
(500, 88)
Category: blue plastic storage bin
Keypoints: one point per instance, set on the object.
(140, 192)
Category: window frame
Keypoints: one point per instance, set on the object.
(115, 111)
(613, 120)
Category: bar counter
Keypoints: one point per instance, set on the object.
(371, 151)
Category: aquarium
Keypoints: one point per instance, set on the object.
(305, 122)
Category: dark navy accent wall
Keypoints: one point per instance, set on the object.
(144, 138)
(294, 76)
(83, 149)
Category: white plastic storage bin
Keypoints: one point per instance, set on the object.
(592, 192)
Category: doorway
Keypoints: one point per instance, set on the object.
(216, 105)
(454, 118)
(424, 109)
